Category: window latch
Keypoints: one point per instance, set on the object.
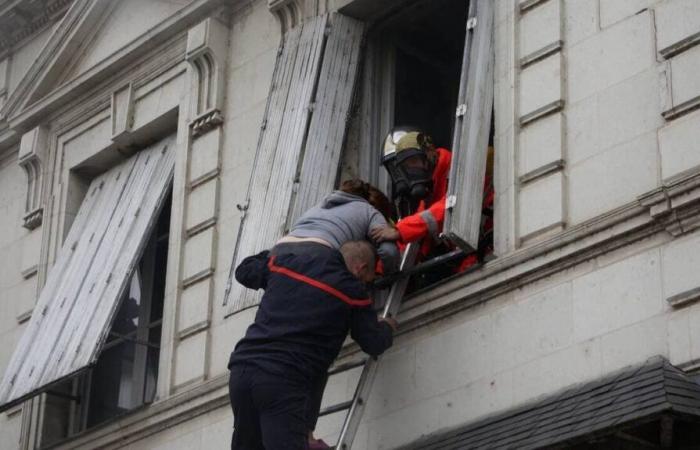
(471, 23)
(461, 110)
(451, 201)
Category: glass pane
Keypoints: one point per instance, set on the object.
(127, 319)
(112, 389)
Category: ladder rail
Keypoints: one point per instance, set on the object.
(369, 372)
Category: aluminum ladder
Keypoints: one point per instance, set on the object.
(357, 405)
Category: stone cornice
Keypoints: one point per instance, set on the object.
(24, 118)
(26, 22)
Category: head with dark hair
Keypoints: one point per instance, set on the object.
(357, 187)
(381, 203)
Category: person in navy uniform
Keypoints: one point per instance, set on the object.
(314, 295)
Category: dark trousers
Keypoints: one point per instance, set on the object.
(269, 411)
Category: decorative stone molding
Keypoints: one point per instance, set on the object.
(675, 204)
(122, 111)
(207, 43)
(32, 153)
(24, 19)
(288, 12)
(206, 122)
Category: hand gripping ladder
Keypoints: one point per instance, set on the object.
(357, 405)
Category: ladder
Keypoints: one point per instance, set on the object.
(357, 405)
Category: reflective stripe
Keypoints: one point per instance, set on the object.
(432, 224)
(317, 284)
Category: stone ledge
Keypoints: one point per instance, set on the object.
(684, 298)
(540, 172)
(529, 5)
(539, 113)
(680, 46)
(541, 54)
(682, 109)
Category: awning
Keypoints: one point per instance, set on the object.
(654, 405)
(77, 304)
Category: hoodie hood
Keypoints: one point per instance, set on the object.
(338, 198)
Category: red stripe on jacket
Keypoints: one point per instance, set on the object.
(317, 284)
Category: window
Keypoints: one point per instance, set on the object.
(125, 375)
(98, 315)
(417, 73)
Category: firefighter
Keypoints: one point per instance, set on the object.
(314, 295)
(419, 171)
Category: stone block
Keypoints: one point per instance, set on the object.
(676, 20)
(195, 305)
(678, 145)
(541, 205)
(190, 359)
(613, 11)
(540, 143)
(580, 20)
(249, 83)
(615, 115)
(202, 204)
(253, 31)
(199, 254)
(396, 383)
(443, 362)
(681, 265)
(540, 84)
(531, 328)
(556, 371)
(31, 251)
(609, 57)
(159, 101)
(225, 333)
(628, 110)
(204, 155)
(612, 178)
(693, 314)
(685, 79)
(679, 336)
(634, 344)
(617, 296)
(540, 27)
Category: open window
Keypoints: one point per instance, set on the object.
(92, 342)
(125, 374)
(429, 65)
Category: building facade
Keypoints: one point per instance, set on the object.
(145, 146)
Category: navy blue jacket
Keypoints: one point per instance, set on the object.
(311, 301)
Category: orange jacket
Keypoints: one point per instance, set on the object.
(429, 220)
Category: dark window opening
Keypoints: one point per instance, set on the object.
(426, 39)
(125, 374)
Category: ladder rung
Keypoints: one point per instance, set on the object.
(347, 366)
(335, 408)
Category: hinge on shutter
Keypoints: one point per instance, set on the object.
(471, 23)
(451, 201)
(264, 124)
(461, 110)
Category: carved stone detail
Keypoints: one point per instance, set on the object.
(676, 204)
(207, 44)
(206, 122)
(32, 153)
(288, 12)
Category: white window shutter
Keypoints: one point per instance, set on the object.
(77, 304)
(301, 140)
(472, 126)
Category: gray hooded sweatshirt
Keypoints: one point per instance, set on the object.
(343, 217)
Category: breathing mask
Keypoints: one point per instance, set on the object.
(406, 160)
